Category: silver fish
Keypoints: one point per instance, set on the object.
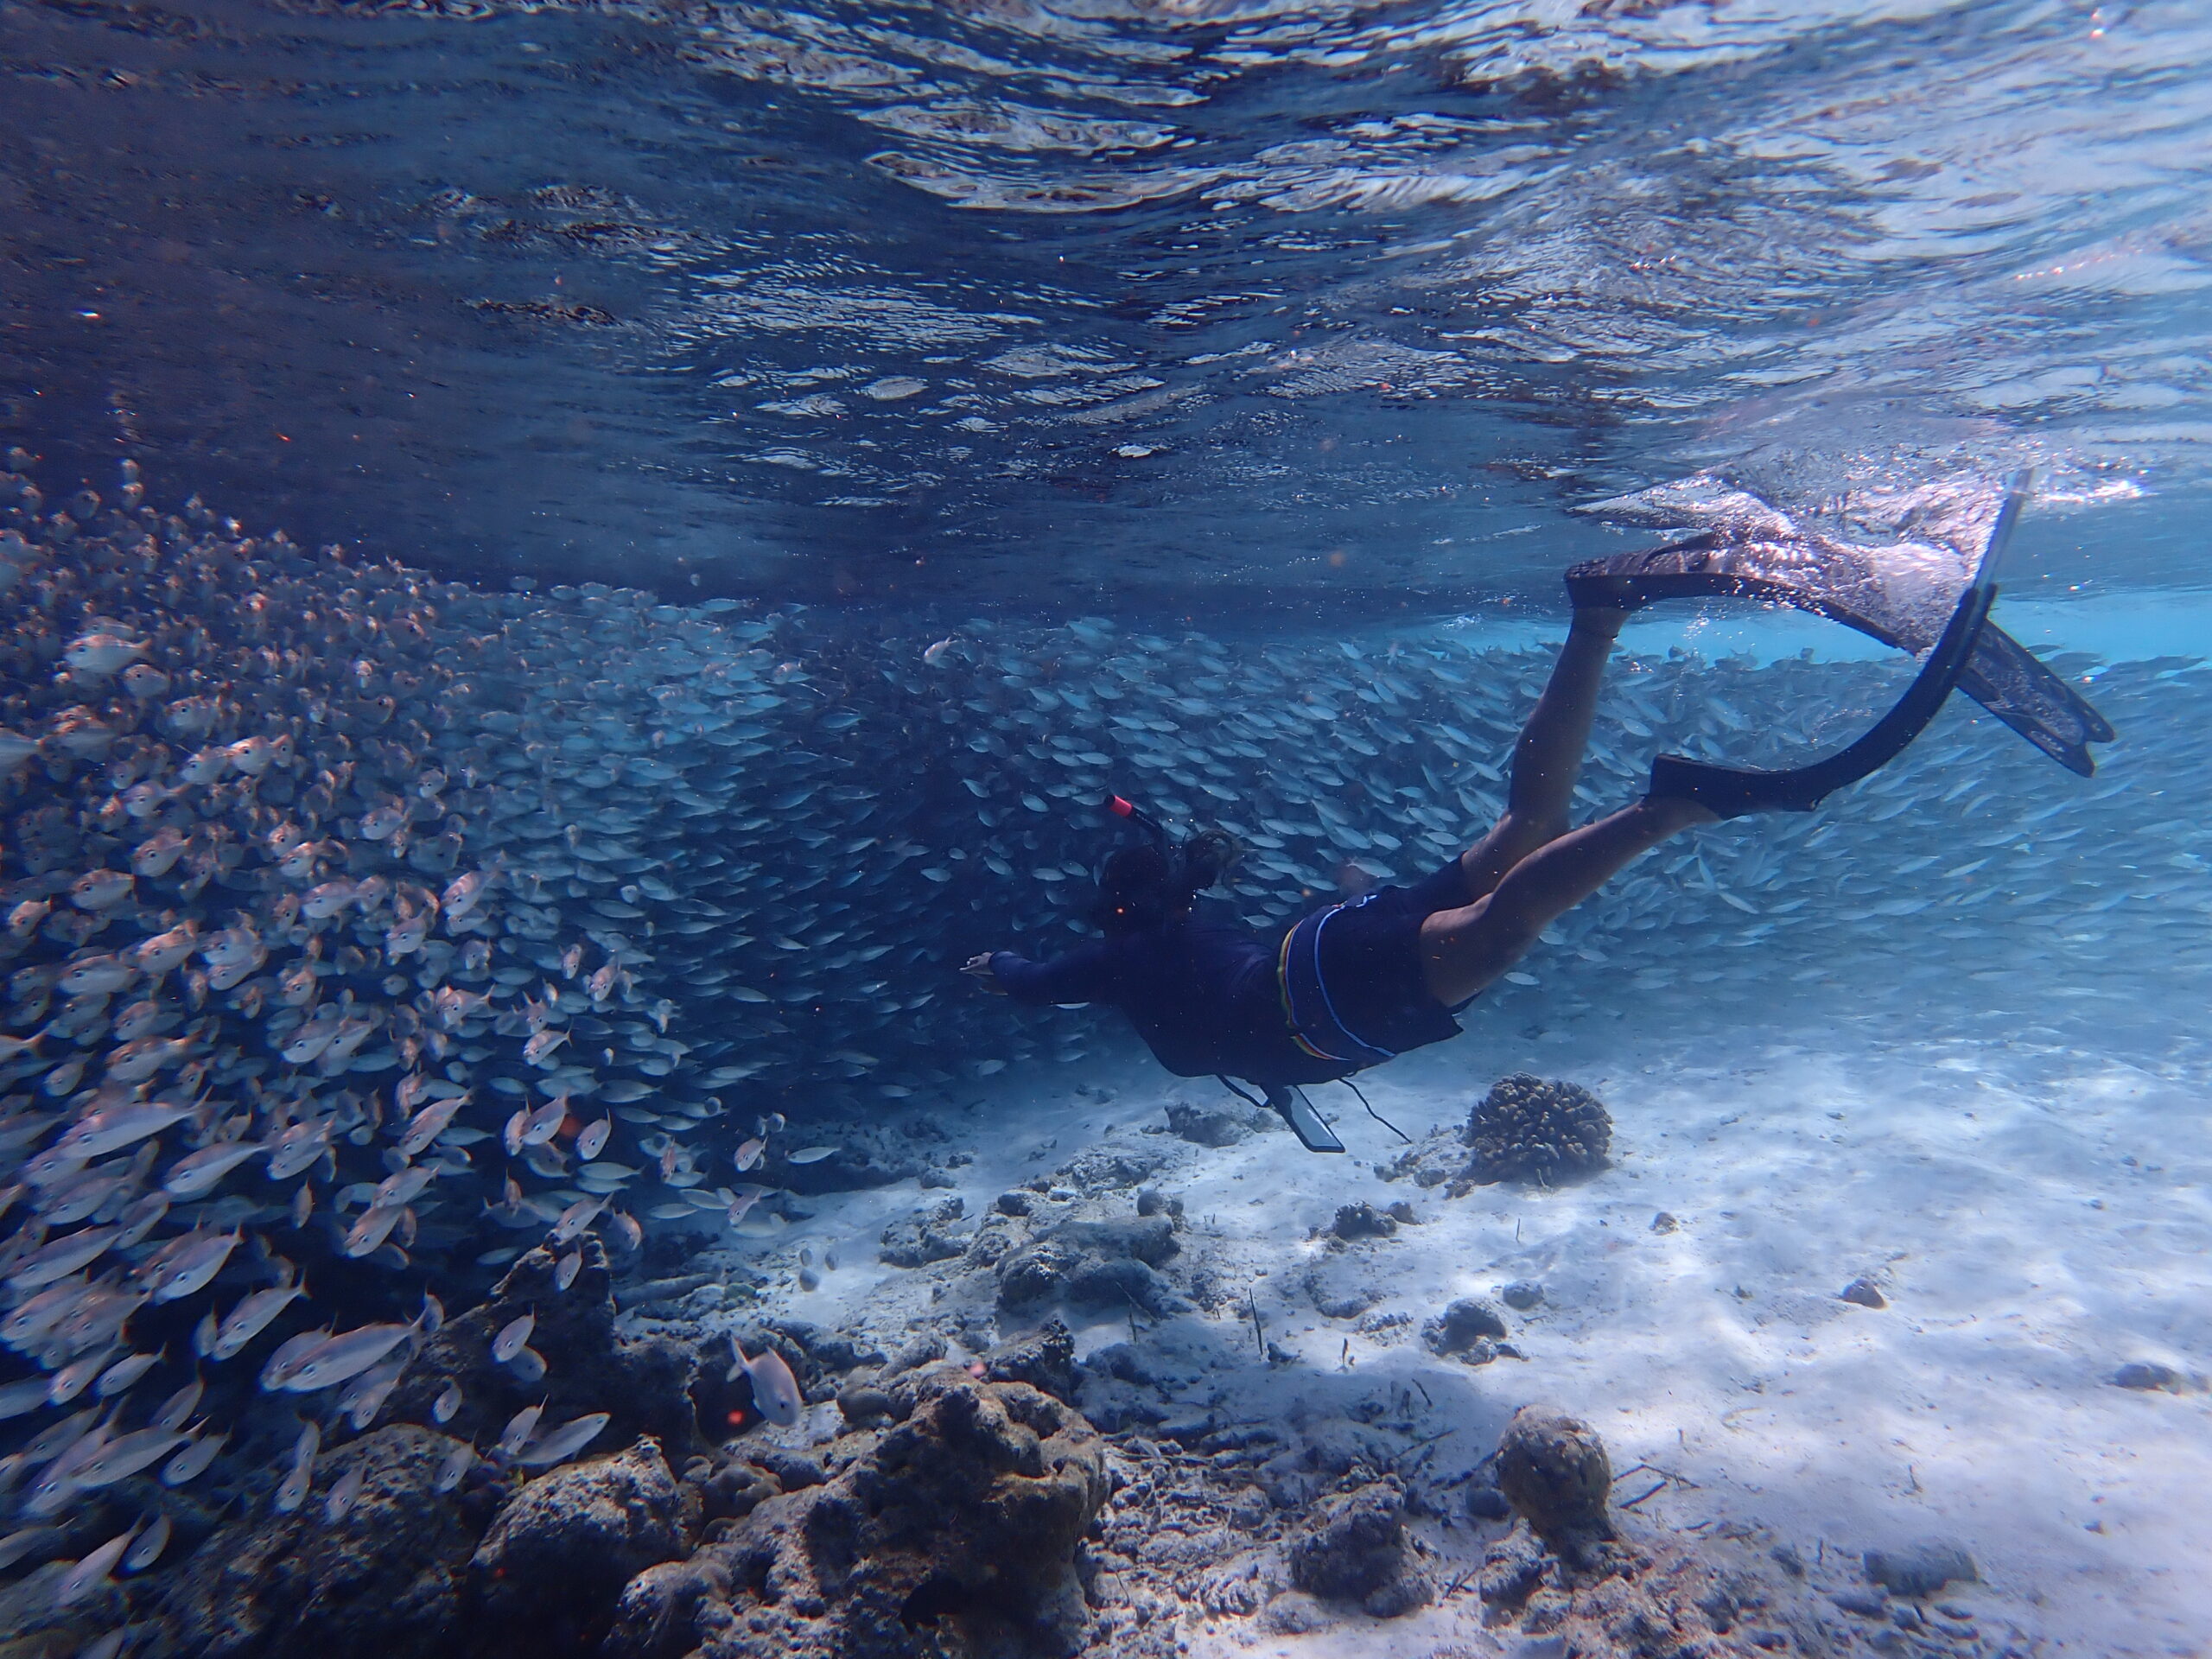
(457, 1463)
(511, 1337)
(564, 1442)
(199, 1172)
(336, 1358)
(148, 1550)
(518, 1430)
(775, 1391)
(93, 1570)
(195, 1267)
(250, 1318)
(342, 1496)
(191, 1462)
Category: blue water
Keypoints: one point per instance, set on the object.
(1188, 307)
(653, 527)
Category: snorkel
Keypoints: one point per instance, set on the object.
(1122, 808)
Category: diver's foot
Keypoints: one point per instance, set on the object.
(1695, 792)
(1603, 621)
(1312, 1130)
(1676, 813)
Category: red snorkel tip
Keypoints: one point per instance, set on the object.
(1119, 807)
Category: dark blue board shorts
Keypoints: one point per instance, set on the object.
(1353, 986)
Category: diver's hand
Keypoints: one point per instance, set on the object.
(979, 969)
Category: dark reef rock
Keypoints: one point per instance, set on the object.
(1095, 1264)
(1108, 1167)
(1354, 1548)
(1920, 1569)
(2146, 1374)
(919, 1240)
(391, 1578)
(1361, 1221)
(1553, 1469)
(952, 1532)
(1526, 1129)
(1568, 1577)
(1465, 1330)
(642, 1384)
(1209, 1126)
(1864, 1292)
(1044, 1360)
(556, 1556)
(1342, 1289)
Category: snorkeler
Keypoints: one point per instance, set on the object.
(1358, 983)
(1354, 984)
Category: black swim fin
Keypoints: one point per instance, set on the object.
(1311, 1128)
(1732, 791)
(1893, 595)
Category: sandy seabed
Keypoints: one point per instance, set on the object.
(2035, 1217)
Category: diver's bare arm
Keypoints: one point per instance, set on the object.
(1548, 759)
(1463, 951)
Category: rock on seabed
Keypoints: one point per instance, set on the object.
(953, 1532)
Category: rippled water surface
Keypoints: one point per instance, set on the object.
(1197, 304)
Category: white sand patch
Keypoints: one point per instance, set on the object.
(1986, 1186)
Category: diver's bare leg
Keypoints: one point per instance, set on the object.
(1548, 759)
(1463, 951)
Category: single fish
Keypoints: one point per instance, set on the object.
(342, 1496)
(116, 1127)
(348, 1354)
(93, 1571)
(518, 1430)
(429, 1124)
(810, 1154)
(194, 1268)
(148, 1550)
(281, 1367)
(527, 1367)
(545, 1122)
(199, 1171)
(576, 1218)
(177, 1409)
(250, 1318)
(447, 1402)
(125, 1455)
(564, 1442)
(592, 1139)
(191, 1462)
(368, 1234)
(457, 1463)
(124, 1374)
(775, 1391)
(566, 1270)
(511, 1337)
(62, 1257)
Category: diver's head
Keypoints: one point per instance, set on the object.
(1152, 884)
(1208, 856)
(1138, 888)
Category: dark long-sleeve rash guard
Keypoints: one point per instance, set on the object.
(1204, 995)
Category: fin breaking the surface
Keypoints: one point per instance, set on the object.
(1904, 595)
